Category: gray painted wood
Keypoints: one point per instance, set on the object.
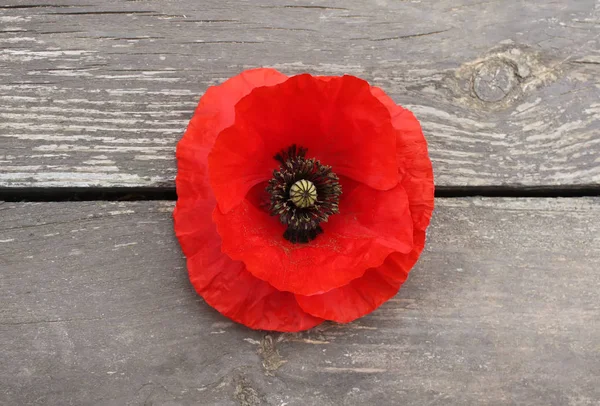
(502, 309)
(98, 94)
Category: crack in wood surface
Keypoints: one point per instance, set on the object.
(59, 194)
(411, 35)
(27, 6)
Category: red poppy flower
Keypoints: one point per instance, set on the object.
(300, 199)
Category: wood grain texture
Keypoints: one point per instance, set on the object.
(98, 94)
(502, 309)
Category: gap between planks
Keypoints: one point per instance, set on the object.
(130, 194)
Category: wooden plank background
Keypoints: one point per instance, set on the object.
(95, 304)
(98, 94)
(96, 308)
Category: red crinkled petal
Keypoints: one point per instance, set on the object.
(371, 225)
(383, 216)
(215, 112)
(413, 161)
(339, 121)
(225, 284)
(365, 294)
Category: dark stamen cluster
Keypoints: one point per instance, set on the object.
(302, 215)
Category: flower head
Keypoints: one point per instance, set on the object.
(300, 198)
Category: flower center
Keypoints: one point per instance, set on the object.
(303, 194)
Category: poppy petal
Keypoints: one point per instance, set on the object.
(365, 294)
(214, 113)
(339, 121)
(226, 285)
(381, 215)
(413, 160)
(353, 241)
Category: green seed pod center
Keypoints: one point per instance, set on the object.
(303, 193)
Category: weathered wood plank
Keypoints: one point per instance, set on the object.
(96, 308)
(98, 94)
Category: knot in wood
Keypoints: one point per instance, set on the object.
(494, 80)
